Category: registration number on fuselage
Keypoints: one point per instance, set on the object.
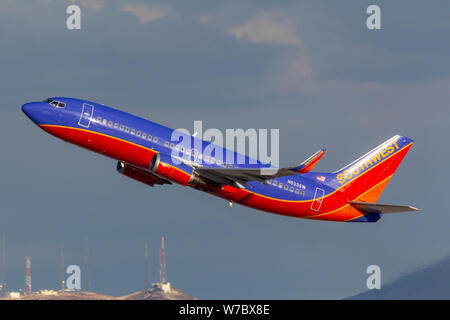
(296, 184)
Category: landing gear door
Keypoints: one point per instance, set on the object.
(86, 115)
(318, 198)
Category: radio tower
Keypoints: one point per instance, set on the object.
(61, 266)
(28, 276)
(3, 283)
(162, 263)
(87, 264)
(147, 258)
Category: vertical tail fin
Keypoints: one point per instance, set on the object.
(365, 178)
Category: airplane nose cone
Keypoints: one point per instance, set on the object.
(27, 108)
(32, 110)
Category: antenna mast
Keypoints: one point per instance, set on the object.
(87, 261)
(3, 283)
(147, 265)
(162, 263)
(61, 266)
(28, 275)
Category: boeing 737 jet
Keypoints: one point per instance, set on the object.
(146, 152)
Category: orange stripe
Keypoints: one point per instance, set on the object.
(95, 132)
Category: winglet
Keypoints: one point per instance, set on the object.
(309, 163)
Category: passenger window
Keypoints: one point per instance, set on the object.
(230, 166)
(286, 187)
(182, 149)
(297, 191)
(155, 139)
(172, 145)
(219, 162)
(303, 193)
(291, 189)
(138, 133)
(116, 125)
(269, 182)
(274, 183)
(280, 185)
(207, 158)
(104, 121)
(213, 160)
(133, 131)
(144, 135)
(149, 138)
(110, 123)
(127, 129)
(177, 147)
(166, 143)
(99, 119)
(121, 127)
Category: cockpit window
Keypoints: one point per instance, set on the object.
(56, 104)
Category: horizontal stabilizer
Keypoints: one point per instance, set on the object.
(380, 208)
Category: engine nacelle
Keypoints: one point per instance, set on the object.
(136, 174)
(162, 166)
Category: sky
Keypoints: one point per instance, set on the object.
(311, 69)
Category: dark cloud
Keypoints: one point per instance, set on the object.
(365, 87)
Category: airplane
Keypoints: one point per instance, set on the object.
(145, 152)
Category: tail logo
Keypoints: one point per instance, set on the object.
(367, 162)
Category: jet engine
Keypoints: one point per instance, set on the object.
(139, 174)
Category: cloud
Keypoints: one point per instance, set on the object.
(146, 13)
(268, 27)
(277, 28)
(91, 4)
(295, 69)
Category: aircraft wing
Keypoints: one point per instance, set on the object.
(380, 208)
(240, 177)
